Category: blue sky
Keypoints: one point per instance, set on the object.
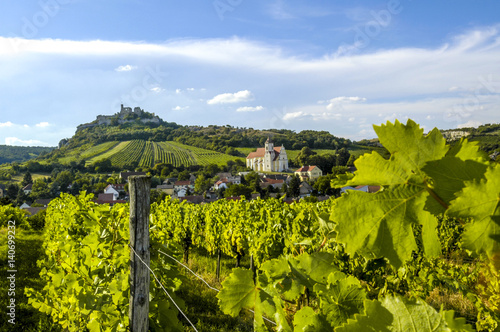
(339, 66)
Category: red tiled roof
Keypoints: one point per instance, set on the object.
(182, 183)
(272, 181)
(306, 169)
(262, 151)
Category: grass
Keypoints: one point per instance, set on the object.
(28, 249)
(201, 302)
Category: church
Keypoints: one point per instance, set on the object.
(268, 158)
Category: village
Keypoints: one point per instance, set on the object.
(267, 175)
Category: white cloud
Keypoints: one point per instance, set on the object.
(179, 108)
(42, 124)
(17, 141)
(337, 101)
(249, 109)
(178, 91)
(6, 124)
(231, 98)
(294, 115)
(157, 89)
(125, 68)
(470, 123)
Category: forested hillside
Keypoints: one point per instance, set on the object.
(9, 153)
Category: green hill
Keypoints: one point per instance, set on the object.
(9, 153)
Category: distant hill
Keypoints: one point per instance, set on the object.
(9, 153)
(136, 138)
(488, 136)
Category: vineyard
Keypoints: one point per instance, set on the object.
(422, 254)
(140, 153)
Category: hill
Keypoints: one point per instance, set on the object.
(9, 154)
(135, 138)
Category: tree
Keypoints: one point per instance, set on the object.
(238, 190)
(294, 186)
(252, 179)
(27, 179)
(40, 190)
(323, 185)
(304, 155)
(202, 184)
(184, 175)
(64, 179)
(343, 156)
(12, 191)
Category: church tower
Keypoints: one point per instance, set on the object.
(269, 155)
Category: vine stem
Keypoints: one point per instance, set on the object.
(435, 196)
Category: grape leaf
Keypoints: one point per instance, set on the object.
(341, 298)
(480, 200)
(408, 141)
(306, 320)
(380, 224)
(308, 270)
(456, 324)
(239, 291)
(373, 169)
(466, 150)
(280, 317)
(396, 314)
(449, 175)
(409, 149)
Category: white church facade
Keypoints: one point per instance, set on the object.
(268, 158)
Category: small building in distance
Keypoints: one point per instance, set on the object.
(306, 173)
(268, 159)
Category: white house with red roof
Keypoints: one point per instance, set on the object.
(306, 173)
(268, 159)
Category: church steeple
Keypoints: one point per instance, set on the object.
(269, 145)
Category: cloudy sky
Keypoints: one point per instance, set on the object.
(339, 66)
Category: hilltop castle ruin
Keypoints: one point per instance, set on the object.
(125, 115)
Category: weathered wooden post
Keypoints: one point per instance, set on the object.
(139, 189)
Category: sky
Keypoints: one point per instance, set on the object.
(340, 66)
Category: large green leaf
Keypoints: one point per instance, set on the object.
(408, 142)
(308, 270)
(456, 324)
(307, 320)
(449, 175)
(380, 224)
(341, 298)
(239, 291)
(480, 200)
(396, 314)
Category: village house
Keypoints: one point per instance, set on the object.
(166, 188)
(268, 159)
(266, 182)
(28, 188)
(305, 189)
(182, 188)
(308, 173)
(110, 189)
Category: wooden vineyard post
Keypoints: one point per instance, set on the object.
(139, 189)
